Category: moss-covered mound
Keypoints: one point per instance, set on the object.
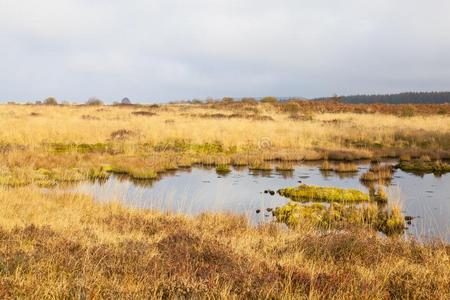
(337, 216)
(378, 173)
(423, 166)
(309, 193)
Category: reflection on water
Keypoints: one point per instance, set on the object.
(197, 190)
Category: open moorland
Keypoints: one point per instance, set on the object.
(350, 244)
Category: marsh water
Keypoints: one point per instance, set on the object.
(197, 190)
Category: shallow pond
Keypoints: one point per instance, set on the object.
(197, 190)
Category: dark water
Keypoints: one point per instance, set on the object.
(198, 190)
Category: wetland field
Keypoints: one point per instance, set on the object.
(225, 199)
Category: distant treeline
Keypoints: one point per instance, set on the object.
(402, 98)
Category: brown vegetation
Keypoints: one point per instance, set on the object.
(58, 245)
(64, 246)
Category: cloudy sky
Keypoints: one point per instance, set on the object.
(154, 51)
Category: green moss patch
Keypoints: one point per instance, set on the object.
(309, 193)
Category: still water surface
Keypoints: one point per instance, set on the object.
(197, 190)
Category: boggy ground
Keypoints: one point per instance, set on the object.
(55, 245)
(66, 246)
(47, 144)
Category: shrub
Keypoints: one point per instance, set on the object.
(94, 101)
(125, 101)
(409, 111)
(227, 99)
(442, 111)
(269, 99)
(50, 101)
(249, 100)
(291, 107)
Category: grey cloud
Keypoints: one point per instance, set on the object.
(174, 49)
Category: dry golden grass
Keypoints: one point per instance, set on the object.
(328, 131)
(140, 141)
(59, 245)
(65, 246)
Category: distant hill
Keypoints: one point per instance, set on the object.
(401, 98)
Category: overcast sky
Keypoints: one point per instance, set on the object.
(154, 51)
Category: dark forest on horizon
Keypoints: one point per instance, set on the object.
(409, 97)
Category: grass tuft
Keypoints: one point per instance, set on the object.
(223, 169)
(338, 216)
(424, 166)
(340, 168)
